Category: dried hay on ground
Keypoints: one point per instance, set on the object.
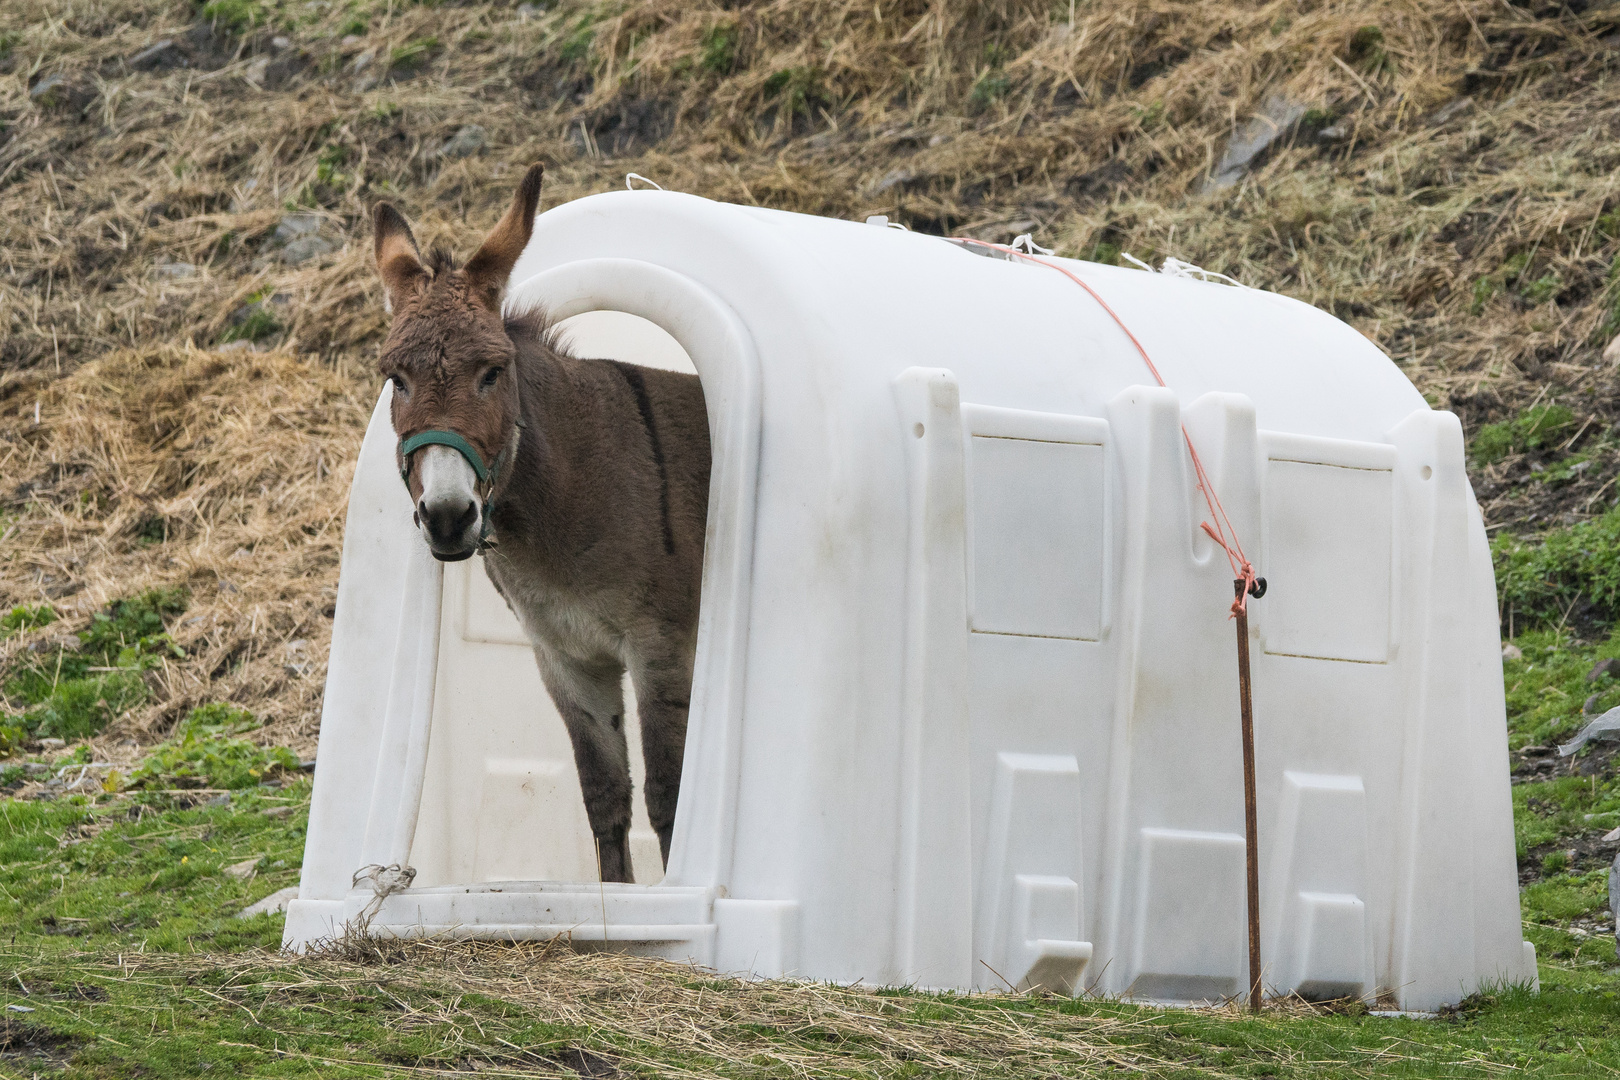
(225, 473)
(651, 1014)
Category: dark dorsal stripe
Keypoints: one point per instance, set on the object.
(638, 387)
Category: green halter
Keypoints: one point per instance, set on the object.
(486, 475)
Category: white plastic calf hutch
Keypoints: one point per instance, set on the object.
(965, 711)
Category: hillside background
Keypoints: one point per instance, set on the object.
(188, 316)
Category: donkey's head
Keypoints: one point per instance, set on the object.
(455, 403)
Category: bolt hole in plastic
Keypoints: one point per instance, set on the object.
(917, 430)
(1427, 472)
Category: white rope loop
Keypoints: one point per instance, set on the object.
(385, 881)
(630, 178)
(1025, 242)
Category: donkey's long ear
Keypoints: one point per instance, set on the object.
(399, 262)
(488, 270)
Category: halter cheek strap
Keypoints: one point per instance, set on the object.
(486, 475)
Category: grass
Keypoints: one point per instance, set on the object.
(77, 687)
(119, 930)
(121, 936)
(1543, 580)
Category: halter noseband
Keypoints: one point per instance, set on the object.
(486, 475)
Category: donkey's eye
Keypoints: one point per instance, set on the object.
(490, 378)
(399, 383)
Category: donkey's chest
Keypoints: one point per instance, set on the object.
(577, 625)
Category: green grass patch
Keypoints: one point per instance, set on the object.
(259, 323)
(25, 617)
(204, 754)
(235, 16)
(128, 875)
(1539, 427)
(719, 50)
(74, 689)
(1541, 580)
(412, 53)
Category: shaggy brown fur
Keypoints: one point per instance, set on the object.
(598, 512)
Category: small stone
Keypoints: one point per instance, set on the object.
(525, 12)
(1252, 138)
(175, 270)
(1590, 706)
(292, 226)
(36, 768)
(270, 905)
(1607, 666)
(937, 140)
(222, 799)
(157, 57)
(279, 812)
(1611, 836)
(243, 870)
(256, 71)
(59, 91)
(894, 178)
(464, 143)
(363, 61)
(350, 41)
(48, 86)
(1511, 651)
(53, 744)
(1611, 352)
(1451, 111)
(278, 43)
(1333, 133)
(237, 346)
(306, 248)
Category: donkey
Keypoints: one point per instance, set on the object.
(583, 483)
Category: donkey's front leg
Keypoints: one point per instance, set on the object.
(591, 701)
(662, 692)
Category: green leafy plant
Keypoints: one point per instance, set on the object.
(1104, 252)
(1541, 579)
(794, 89)
(205, 754)
(329, 165)
(26, 617)
(258, 323)
(236, 16)
(412, 53)
(1367, 51)
(719, 53)
(577, 45)
(1537, 428)
(76, 689)
(1611, 296)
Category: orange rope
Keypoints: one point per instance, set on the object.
(1222, 527)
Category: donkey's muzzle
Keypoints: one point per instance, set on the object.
(451, 527)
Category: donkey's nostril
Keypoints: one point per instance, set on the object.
(448, 522)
